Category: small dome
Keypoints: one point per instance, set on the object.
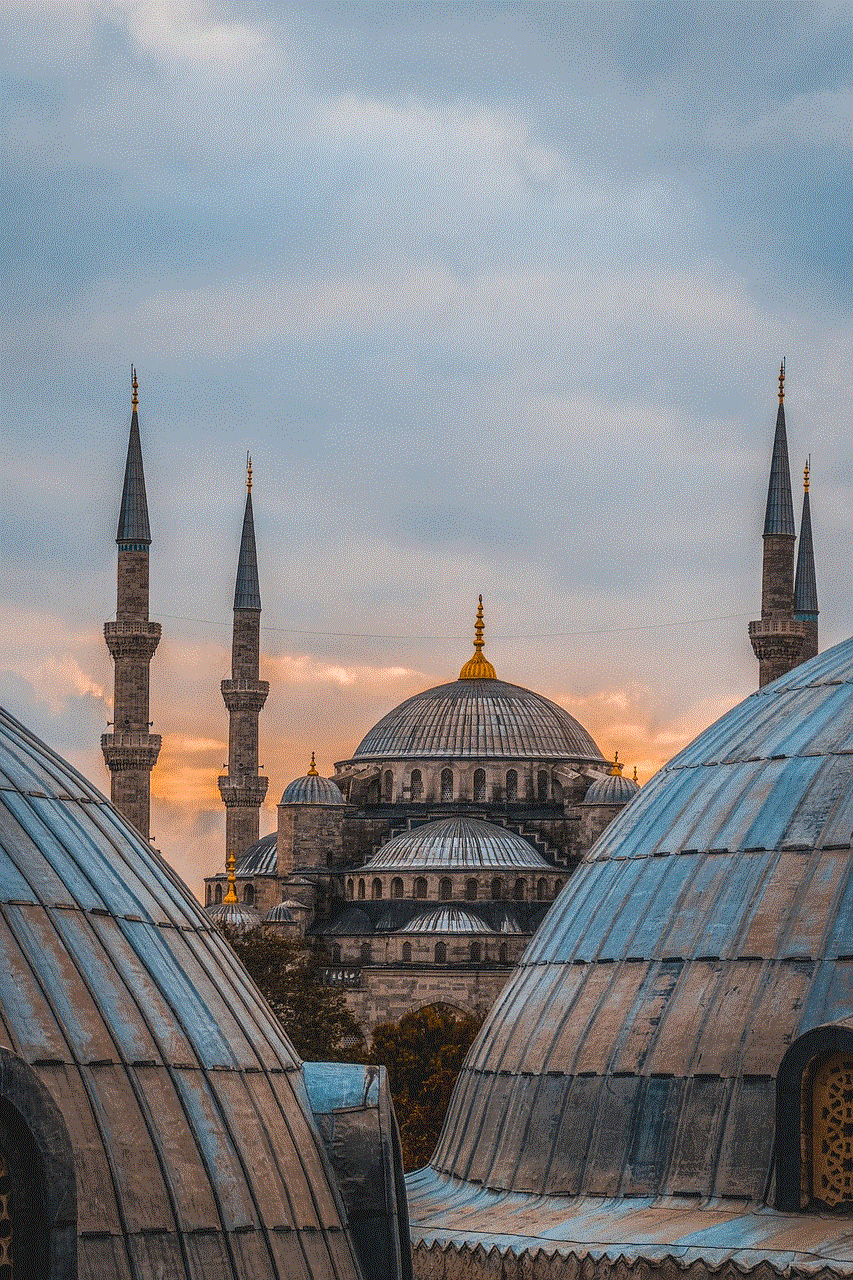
(280, 914)
(614, 789)
(312, 789)
(235, 915)
(445, 920)
(457, 844)
(260, 859)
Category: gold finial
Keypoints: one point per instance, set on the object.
(782, 381)
(231, 895)
(249, 472)
(478, 666)
(312, 772)
(806, 470)
(616, 771)
(134, 382)
(636, 779)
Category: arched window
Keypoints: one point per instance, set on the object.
(557, 887)
(542, 785)
(420, 887)
(396, 887)
(511, 785)
(814, 1122)
(362, 890)
(519, 890)
(373, 792)
(217, 893)
(336, 953)
(249, 894)
(541, 890)
(497, 888)
(502, 953)
(376, 888)
(479, 786)
(350, 888)
(447, 784)
(407, 953)
(366, 953)
(471, 890)
(441, 953)
(445, 888)
(388, 786)
(474, 951)
(416, 785)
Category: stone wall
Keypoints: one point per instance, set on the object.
(389, 993)
(309, 835)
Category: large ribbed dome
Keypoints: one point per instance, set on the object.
(136, 1049)
(460, 844)
(478, 719)
(663, 1032)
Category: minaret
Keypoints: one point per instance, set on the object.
(130, 750)
(778, 638)
(242, 789)
(805, 582)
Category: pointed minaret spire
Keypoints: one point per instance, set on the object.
(131, 751)
(242, 788)
(777, 638)
(805, 581)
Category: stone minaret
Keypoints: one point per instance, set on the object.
(242, 789)
(778, 637)
(805, 582)
(131, 750)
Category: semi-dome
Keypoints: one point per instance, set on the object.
(671, 1033)
(445, 920)
(312, 789)
(457, 844)
(476, 719)
(612, 789)
(260, 859)
(139, 1062)
(281, 913)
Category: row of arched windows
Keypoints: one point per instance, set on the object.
(475, 953)
(447, 786)
(420, 889)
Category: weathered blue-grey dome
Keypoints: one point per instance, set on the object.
(614, 789)
(445, 920)
(667, 1044)
(239, 916)
(312, 789)
(478, 719)
(141, 1060)
(459, 844)
(260, 859)
(280, 914)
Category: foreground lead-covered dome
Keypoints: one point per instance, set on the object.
(674, 1052)
(139, 1066)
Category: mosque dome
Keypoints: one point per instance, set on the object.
(613, 789)
(445, 920)
(239, 916)
(260, 859)
(138, 1061)
(280, 914)
(457, 844)
(668, 1030)
(312, 789)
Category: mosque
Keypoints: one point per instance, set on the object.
(663, 1088)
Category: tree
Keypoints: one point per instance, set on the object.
(423, 1053)
(314, 1015)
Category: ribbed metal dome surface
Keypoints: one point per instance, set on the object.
(312, 789)
(478, 719)
(708, 929)
(614, 789)
(181, 1095)
(460, 844)
(445, 920)
(279, 914)
(239, 916)
(260, 859)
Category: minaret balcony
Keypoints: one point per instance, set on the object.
(777, 637)
(130, 750)
(245, 695)
(132, 639)
(240, 792)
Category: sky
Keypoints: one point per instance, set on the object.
(496, 296)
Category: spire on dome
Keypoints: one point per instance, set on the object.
(805, 582)
(779, 515)
(618, 766)
(231, 895)
(133, 524)
(478, 666)
(636, 779)
(312, 772)
(247, 592)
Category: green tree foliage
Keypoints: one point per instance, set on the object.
(314, 1015)
(423, 1053)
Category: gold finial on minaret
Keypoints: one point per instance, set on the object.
(478, 666)
(231, 895)
(249, 472)
(806, 470)
(312, 772)
(134, 382)
(782, 381)
(616, 771)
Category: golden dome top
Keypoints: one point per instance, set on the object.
(478, 666)
(616, 770)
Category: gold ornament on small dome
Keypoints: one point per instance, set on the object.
(312, 772)
(478, 666)
(636, 779)
(616, 771)
(231, 895)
